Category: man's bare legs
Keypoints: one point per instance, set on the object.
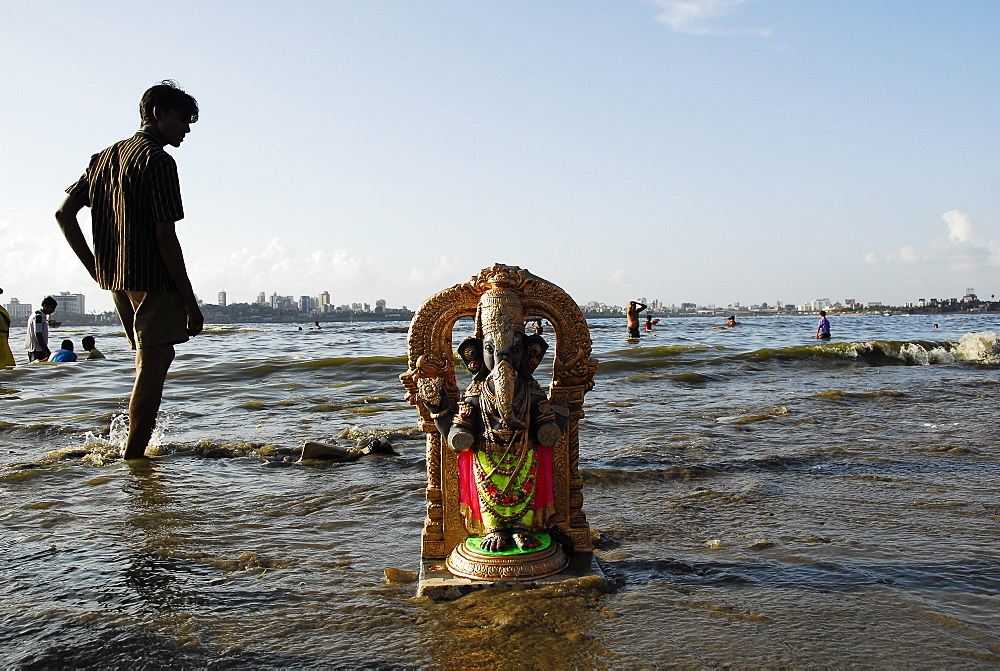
(151, 366)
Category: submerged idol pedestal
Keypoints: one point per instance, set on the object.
(504, 493)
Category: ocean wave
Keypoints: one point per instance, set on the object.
(845, 396)
(766, 414)
(971, 577)
(635, 472)
(650, 469)
(980, 347)
(625, 471)
(693, 378)
(214, 373)
(654, 357)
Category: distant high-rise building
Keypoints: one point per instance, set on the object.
(222, 299)
(283, 302)
(262, 298)
(18, 310)
(380, 306)
(71, 304)
(324, 300)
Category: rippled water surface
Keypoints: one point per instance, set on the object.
(760, 499)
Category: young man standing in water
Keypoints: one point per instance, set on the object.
(134, 194)
(36, 341)
(632, 315)
(823, 328)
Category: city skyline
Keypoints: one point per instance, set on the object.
(20, 308)
(697, 150)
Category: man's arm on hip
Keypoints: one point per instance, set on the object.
(66, 216)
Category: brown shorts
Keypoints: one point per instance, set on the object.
(152, 318)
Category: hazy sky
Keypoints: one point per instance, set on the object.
(708, 151)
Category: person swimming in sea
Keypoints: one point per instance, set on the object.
(64, 353)
(90, 345)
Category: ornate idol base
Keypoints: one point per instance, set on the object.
(452, 578)
(467, 560)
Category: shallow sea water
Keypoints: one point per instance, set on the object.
(760, 499)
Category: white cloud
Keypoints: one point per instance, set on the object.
(618, 276)
(963, 249)
(444, 271)
(281, 268)
(38, 262)
(961, 229)
(905, 255)
(700, 17)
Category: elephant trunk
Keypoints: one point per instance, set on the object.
(504, 377)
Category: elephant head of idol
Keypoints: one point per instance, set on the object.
(500, 352)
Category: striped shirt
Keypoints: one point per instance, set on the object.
(130, 186)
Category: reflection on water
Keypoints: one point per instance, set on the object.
(761, 500)
(153, 533)
(550, 627)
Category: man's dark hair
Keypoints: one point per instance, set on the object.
(67, 345)
(167, 95)
(48, 300)
(88, 342)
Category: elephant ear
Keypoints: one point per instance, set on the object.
(534, 349)
(471, 351)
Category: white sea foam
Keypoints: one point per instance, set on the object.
(980, 346)
(940, 355)
(112, 446)
(914, 353)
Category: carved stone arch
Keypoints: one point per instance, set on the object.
(430, 354)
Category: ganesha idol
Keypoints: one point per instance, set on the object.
(504, 494)
(503, 430)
